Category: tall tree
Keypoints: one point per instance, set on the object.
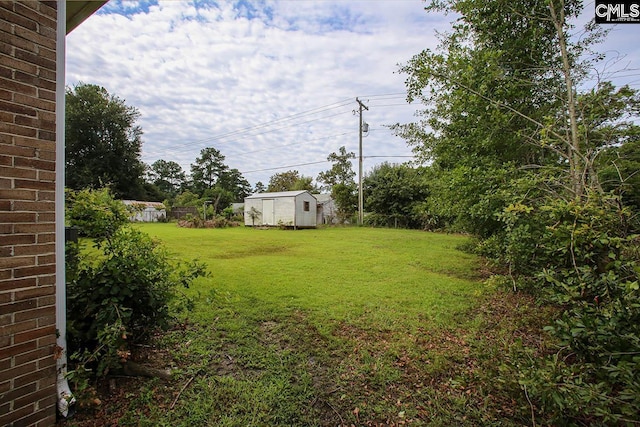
(259, 188)
(393, 193)
(102, 143)
(500, 91)
(290, 181)
(341, 171)
(339, 180)
(207, 169)
(168, 176)
(233, 182)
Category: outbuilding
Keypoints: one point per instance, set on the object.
(295, 209)
(145, 211)
(327, 212)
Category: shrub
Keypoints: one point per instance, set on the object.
(95, 213)
(218, 221)
(191, 221)
(120, 290)
(580, 255)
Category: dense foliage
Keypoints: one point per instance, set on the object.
(95, 213)
(290, 181)
(339, 180)
(102, 143)
(215, 182)
(212, 186)
(580, 256)
(544, 176)
(394, 195)
(121, 285)
(167, 176)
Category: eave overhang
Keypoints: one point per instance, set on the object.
(78, 11)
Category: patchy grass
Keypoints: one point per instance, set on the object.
(336, 326)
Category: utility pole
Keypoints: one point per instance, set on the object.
(360, 196)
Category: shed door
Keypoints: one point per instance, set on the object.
(268, 214)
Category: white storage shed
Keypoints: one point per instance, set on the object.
(296, 209)
(145, 211)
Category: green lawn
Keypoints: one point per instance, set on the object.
(334, 326)
(332, 274)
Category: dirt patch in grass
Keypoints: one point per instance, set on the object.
(258, 251)
(441, 376)
(365, 377)
(108, 400)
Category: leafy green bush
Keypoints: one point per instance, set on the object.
(95, 213)
(121, 289)
(581, 256)
(218, 221)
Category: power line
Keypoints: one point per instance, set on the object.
(383, 95)
(317, 110)
(262, 128)
(371, 157)
(266, 124)
(285, 167)
(318, 162)
(296, 124)
(248, 129)
(246, 133)
(393, 105)
(244, 153)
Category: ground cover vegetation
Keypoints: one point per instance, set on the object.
(334, 326)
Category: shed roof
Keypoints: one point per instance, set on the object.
(323, 198)
(157, 205)
(278, 194)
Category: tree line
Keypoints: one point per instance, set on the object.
(472, 159)
(103, 149)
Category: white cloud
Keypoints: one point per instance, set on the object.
(206, 75)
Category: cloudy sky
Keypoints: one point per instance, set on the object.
(272, 84)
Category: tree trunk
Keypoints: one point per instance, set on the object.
(576, 159)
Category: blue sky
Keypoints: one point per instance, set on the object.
(272, 83)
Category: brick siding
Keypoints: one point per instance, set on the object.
(27, 213)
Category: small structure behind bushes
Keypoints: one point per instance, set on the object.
(182, 212)
(326, 211)
(146, 211)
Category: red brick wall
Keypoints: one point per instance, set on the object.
(27, 218)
